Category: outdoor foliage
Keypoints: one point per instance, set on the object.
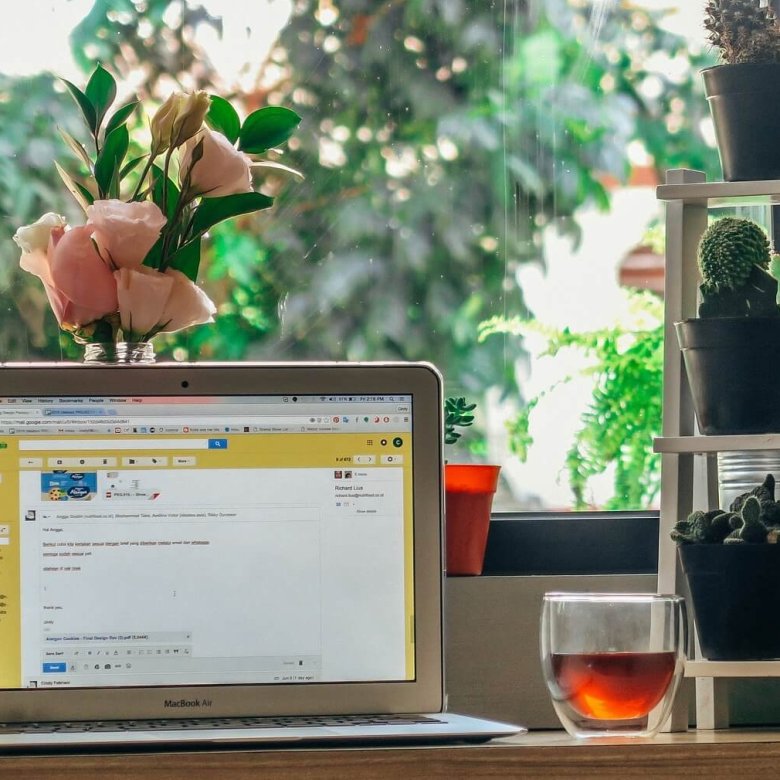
(624, 413)
(439, 139)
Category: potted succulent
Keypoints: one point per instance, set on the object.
(468, 494)
(742, 92)
(732, 349)
(731, 561)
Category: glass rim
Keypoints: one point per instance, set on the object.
(629, 598)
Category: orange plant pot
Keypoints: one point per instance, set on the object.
(469, 490)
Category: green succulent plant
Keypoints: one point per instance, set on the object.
(734, 254)
(743, 30)
(457, 414)
(752, 518)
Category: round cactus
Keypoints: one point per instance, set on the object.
(728, 252)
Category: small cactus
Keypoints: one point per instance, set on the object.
(703, 527)
(753, 518)
(733, 256)
(728, 250)
(743, 31)
(747, 524)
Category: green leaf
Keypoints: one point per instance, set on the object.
(76, 148)
(187, 259)
(131, 165)
(223, 118)
(158, 176)
(214, 210)
(84, 103)
(88, 197)
(73, 186)
(110, 158)
(267, 127)
(120, 116)
(275, 166)
(154, 255)
(113, 186)
(101, 92)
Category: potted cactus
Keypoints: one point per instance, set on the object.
(732, 349)
(468, 495)
(742, 92)
(731, 561)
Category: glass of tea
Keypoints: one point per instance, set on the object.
(613, 661)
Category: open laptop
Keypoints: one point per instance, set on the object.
(222, 554)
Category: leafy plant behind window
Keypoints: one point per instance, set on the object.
(623, 415)
(439, 140)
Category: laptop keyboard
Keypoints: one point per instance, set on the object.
(176, 724)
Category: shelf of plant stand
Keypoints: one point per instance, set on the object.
(702, 445)
(702, 668)
(722, 193)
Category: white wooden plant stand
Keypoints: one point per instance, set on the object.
(688, 460)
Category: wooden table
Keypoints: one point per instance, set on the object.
(734, 753)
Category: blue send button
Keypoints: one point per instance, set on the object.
(58, 667)
(217, 444)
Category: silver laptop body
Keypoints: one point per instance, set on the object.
(222, 554)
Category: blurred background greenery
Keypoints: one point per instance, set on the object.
(440, 139)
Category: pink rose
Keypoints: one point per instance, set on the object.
(125, 232)
(187, 304)
(142, 293)
(222, 170)
(149, 299)
(79, 285)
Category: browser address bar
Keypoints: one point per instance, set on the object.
(88, 445)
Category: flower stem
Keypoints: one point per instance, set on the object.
(144, 174)
(166, 168)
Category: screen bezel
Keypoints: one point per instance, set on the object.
(421, 380)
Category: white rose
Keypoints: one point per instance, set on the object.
(36, 236)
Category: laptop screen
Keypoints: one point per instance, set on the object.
(205, 540)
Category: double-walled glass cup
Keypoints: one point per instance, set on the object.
(613, 661)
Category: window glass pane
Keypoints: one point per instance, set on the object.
(478, 191)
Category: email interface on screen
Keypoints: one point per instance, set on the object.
(184, 541)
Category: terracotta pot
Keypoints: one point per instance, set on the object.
(469, 490)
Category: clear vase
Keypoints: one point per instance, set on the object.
(119, 353)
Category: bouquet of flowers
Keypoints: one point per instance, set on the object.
(130, 271)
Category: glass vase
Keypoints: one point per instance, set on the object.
(119, 353)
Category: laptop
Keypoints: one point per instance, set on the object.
(222, 554)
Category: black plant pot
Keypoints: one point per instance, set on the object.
(735, 595)
(744, 102)
(733, 368)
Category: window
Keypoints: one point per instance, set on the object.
(478, 190)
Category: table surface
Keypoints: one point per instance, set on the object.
(550, 754)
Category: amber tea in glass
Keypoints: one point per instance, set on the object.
(612, 662)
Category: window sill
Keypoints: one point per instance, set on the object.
(527, 543)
